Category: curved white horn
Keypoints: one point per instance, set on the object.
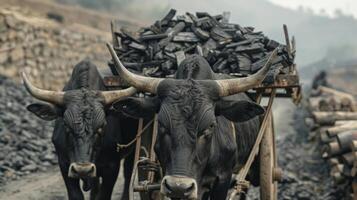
(50, 96)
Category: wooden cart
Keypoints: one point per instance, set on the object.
(149, 174)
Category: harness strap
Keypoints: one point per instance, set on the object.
(233, 131)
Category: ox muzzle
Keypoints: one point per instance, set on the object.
(179, 187)
(82, 170)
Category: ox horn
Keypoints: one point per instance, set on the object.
(233, 86)
(54, 97)
(111, 96)
(142, 83)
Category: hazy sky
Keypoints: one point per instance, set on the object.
(329, 6)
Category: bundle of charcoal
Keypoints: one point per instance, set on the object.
(333, 122)
(229, 48)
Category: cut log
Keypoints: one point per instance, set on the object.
(333, 161)
(343, 122)
(326, 90)
(336, 173)
(349, 158)
(338, 177)
(314, 103)
(346, 171)
(334, 149)
(324, 137)
(341, 95)
(330, 117)
(338, 129)
(344, 139)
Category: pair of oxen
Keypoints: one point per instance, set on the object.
(207, 126)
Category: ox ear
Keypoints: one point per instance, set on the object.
(238, 111)
(44, 111)
(137, 107)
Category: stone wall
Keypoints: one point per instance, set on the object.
(45, 49)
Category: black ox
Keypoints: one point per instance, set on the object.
(86, 131)
(207, 126)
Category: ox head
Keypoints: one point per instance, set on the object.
(83, 121)
(187, 114)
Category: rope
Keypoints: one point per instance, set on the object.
(122, 146)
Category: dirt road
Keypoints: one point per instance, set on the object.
(43, 186)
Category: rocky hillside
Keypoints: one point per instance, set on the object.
(24, 139)
(46, 49)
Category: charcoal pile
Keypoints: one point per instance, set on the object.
(229, 48)
(25, 145)
(333, 123)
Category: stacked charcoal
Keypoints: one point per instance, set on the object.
(25, 140)
(334, 123)
(229, 48)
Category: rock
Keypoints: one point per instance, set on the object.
(3, 57)
(31, 167)
(24, 139)
(11, 21)
(3, 26)
(17, 54)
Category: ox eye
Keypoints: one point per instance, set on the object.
(162, 129)
(67, 129)
(208, 131)
(100, 130)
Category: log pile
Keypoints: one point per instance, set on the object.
(229, 48)
(333, 121)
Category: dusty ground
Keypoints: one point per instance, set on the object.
(43, 186)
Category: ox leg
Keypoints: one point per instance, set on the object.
(110, 175)
(220, 188)
(128, 170)
(73, 188)
(95, 190)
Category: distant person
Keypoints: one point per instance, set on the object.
(320, 80)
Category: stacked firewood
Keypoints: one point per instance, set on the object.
(229, 48)
(334, 122)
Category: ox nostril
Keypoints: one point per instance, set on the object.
(82, 170)
(190, 187)
(189, 190)
(91, 169)
(74, 169)
(167, 186)
(178, 187)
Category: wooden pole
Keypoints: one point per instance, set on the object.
(152, 151)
